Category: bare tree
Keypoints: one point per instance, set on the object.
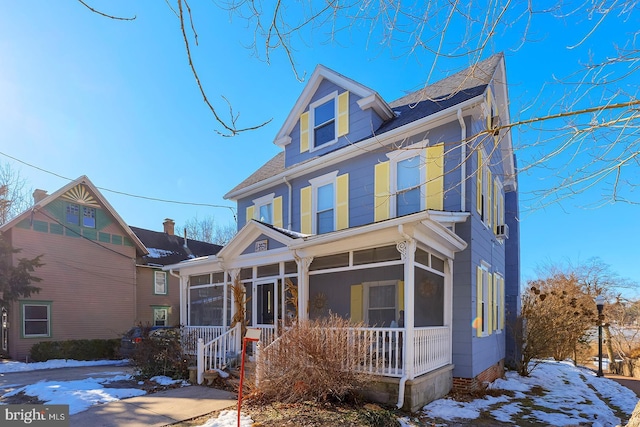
(14, 195)
(207, 230)
(580, 129)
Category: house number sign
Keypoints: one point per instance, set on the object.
(262, 245)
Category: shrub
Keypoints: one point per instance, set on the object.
(313, 361)
(94, 349)
(160, 353)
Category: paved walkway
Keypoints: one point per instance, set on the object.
(156, 409)
(630, 382)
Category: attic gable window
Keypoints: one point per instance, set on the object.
(324, 123)
(73, 212)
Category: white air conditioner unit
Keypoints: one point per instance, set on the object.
(502, 231)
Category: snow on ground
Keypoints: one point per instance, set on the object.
(78, 394)
(556, 393)
(561, 393)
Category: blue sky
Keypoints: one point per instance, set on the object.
(81, 94)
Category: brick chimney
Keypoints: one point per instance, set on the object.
(169, 226)
(38, 195)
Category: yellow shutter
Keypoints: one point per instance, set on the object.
(491, 302)
(305, 210)
(495, 205)
(435, 177)
(489, 103)
(479, 182)
(356, 304)
(382, 203)
(343, 113)
(342, 201)
(488, 204)
(249, 213)
(277, 211)
(477, 323)
(501, 302)
(400, 295)
(304, 132)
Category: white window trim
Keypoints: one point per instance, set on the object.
(487, 185)
(312, 127)
(365, 297)
(24, 320)
(263, 201)
(485, 298)
(499, 301)
(320, 181)
(155, 283)
(166, 315)
(398, 156)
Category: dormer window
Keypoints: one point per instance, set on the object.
(323, 118)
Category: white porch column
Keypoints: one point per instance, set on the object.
(303, 287)
(233, 275)
(408, 250)
(184, 298)
(448, 304)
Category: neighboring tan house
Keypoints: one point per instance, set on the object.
(158, 292)
(402, 215)
(99, 278)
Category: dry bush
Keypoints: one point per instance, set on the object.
(317, 360)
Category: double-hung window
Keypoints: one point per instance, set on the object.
(36, 319)
(160, 283)
(408, 186)
(381, 310)
(324, 203)
(160, 316)
(324, 120)
(263, 208)
(81, 215)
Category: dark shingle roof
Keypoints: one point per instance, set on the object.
(166, 249)
(443, 94)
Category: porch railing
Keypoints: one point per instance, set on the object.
(219, 352)
(380, 351)
(191, 334)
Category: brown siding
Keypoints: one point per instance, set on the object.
(146, 298)
(91, 285)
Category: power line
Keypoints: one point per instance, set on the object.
(154, 199)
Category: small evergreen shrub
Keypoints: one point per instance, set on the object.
(93, 349)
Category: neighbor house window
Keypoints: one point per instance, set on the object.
(74, 212)
(323, 114)
(160, 316)
(88, 217)
(36, 319)
(160, 282)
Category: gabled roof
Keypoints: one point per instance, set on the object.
(370, 99)
(101, 201)
(165, 249)
(441, 95)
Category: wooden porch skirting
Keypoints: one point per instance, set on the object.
(417, 392)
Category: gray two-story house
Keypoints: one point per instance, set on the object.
(400, 216)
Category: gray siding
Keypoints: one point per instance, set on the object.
(361, 125)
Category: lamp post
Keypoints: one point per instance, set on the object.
(600, 305)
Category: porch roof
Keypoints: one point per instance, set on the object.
(425, 227)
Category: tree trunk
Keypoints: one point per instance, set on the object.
(634, 421)
(608, 345)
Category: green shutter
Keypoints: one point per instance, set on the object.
(305, 210)
(277, 212)
(435, 177)
(343, 114)
(382, 203)
(304, 132)
(342, 201)
(356, 304)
